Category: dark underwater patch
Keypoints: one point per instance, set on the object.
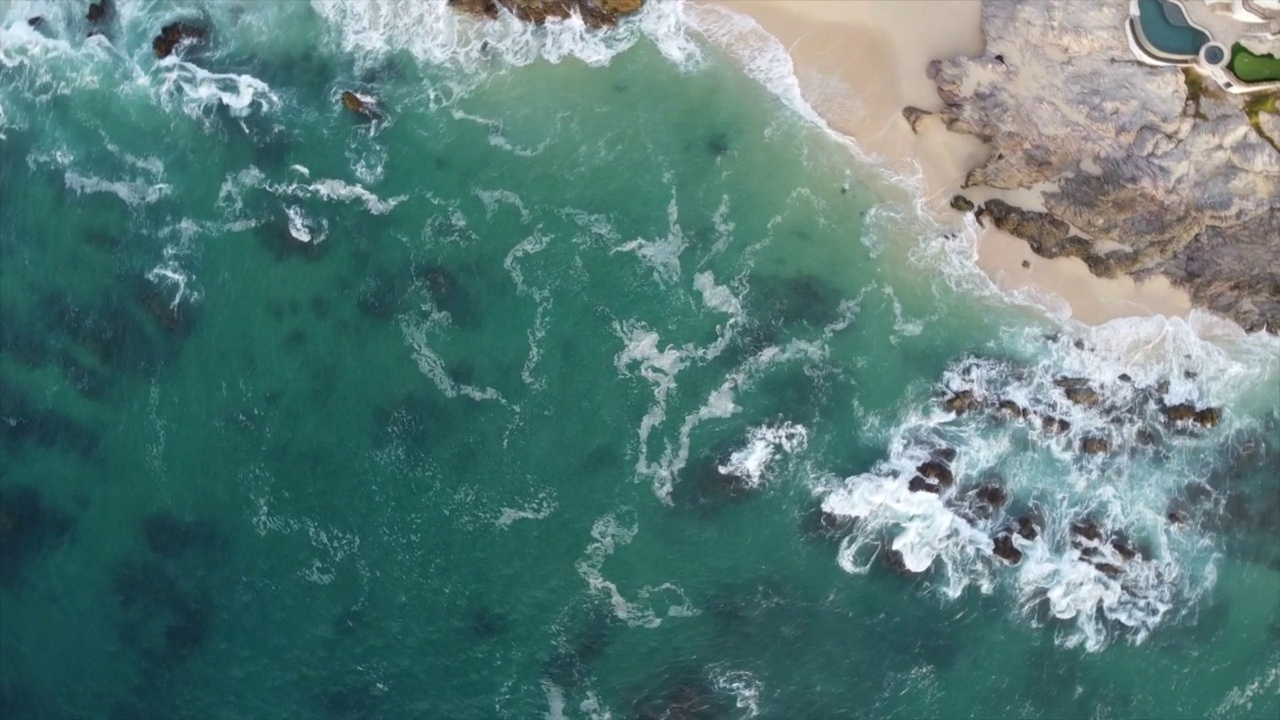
(803, 299)
(29, 527)
(679, 692)
(25, 423)
(168, 536)
(703, 489)
(160, 620)
(449, 294)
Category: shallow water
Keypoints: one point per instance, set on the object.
(524, 400)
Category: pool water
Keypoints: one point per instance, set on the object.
(1166, 29)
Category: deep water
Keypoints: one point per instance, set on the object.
(587, 378)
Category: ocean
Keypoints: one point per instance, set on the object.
(582, 375)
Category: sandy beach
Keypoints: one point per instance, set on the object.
(859, 62)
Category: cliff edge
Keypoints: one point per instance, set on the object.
(1152, 169)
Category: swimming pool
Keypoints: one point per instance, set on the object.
(1165, 28)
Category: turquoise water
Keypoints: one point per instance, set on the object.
(1165, 26)
(526, 399)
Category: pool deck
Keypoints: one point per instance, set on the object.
(1221, 21)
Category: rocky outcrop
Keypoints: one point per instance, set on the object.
(595, 13)
(175, 34)
(1157, 170)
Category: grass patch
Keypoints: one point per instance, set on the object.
(1251, 67)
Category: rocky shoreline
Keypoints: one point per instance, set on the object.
(1150, 170)
(595, 13)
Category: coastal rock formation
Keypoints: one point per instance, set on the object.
(174, 34)
(1151, 170)
(595, 13)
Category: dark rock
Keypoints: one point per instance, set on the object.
(992, 495)
(360, 106)
(937, 471)
(944, 454)
(826, 524)
(1085, 530)
(38, 20)
(961, 203)
(913, 116)
(594, 13)
(1208, 417)
(962, 402)
(919, 484)
(97, 11)
(450, 295)
(1054, 425)
(1027, 528)
(894, 561)
(1047, 235)
(28, 527)
(1181, 412)
(1005, 549)
(1124, 548)
(1095, 445)
(1026, 264)
(1124, 377)
(1011, 410)
(1108, 569)
(174, 35)
(1087, 397)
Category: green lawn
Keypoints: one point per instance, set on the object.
(1252, 68)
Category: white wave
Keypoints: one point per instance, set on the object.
(133, 193)
(662, 254)
(200, 91)
(540, 509)
(491, 199)
(1240, 699)
(717, 297)
(332, 189)
(300, 226)
(429, 364)
(741, 684)
(170, 273)
(763, 443)
(608, 535)
(435, 34)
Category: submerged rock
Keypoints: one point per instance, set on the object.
(1004, 548)
(360, 106)
(97, 11)
(175, 34)
(28, 527)
(935, 470)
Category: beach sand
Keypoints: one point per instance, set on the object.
(859, 62)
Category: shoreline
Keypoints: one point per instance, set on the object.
(833, 44)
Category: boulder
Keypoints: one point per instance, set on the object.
(360, 106)
(920, 484)
(935, 470)
(175, 34)
(913, 116)
(1095, 445)
(594, 13)
(1054, 425)
(97, 11)
(1085, 532)
(992, 495)
(1181, 412)
(1027, 528)
(1005, 549)
(1085, 396)
(961, 203)
(1011, 410)
(1108, 569)
(961, 402)
(1207, 417)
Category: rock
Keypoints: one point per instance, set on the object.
(1005, 549)
(97, 11)
(992, 495)
(1054, 425)
(175, 34)
(594, 13)
(359, 105)
(1085, 532)
(961, 402)
(1026, 264)
(1124, 377)
(36, 21)
(1108, 569)
(961, 203)
(894, 561)
(1095, 445)
(1208, 417)
(920, 484)
(1124, 548)
(1181, 412)
(935, 470)
(1128, 150)
(1011, 410)
(913, 116)
(1088, 397)
(1027, 528)
(944, 454)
